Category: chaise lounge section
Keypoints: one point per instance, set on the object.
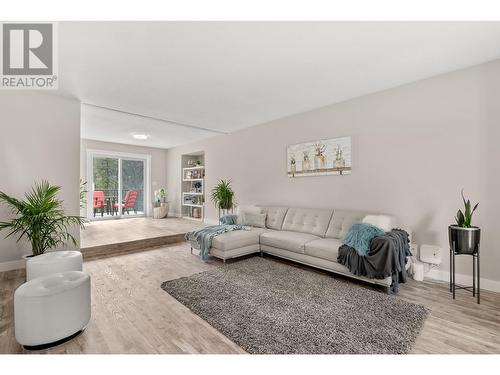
(304, 235)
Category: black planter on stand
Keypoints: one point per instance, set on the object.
(465, 241)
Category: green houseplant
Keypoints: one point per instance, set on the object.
(463, 236)
(40, 218)
(223, 196)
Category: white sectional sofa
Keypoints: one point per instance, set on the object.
(307, 236)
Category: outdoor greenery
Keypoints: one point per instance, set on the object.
(222, 195)
(40, 218)
(83, 194)
(464, 219)
(106, 177)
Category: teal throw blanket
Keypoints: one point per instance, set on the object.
(203, 237)
(360, 235)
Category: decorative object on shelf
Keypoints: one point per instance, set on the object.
(197, 186)
(223, 197)
(40, 218)
(197, 212)
(330, 156)
(465, 239)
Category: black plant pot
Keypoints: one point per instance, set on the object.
(464, 240)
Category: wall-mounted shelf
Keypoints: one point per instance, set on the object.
(192, 205)
(193, 168)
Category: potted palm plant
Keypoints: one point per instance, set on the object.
(222, 196)
(40, 218)
(463, 236)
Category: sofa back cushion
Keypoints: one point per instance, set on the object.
(307, 220)
(254, 220)
(342, 221)
(240, 211)
(275, 216)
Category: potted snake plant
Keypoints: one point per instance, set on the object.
(40, 219)
(463, 236)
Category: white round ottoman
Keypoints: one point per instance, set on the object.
(51, 309)
(53, 262)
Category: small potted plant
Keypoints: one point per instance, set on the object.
(293, 166)
(306, 163)
(319, 157)
(463, 236)
(40, 218)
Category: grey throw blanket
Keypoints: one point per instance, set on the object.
(387, 257)
(203, 237)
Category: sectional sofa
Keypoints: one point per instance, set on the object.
(308, 236)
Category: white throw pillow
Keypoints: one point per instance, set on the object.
(384, 222)
(254, 220)
(240, 211)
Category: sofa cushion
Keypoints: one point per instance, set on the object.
(292, 241)
(307, 220)
(275, 216)
(324, 248)
(240, 210)
(237, 239)
(253, 219)
(342, 221)
(384, 222)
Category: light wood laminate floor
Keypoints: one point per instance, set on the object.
(131, 314)
(105, 232)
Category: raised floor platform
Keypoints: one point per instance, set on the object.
(113, 237)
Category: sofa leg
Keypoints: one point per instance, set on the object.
(261, 254)
(191, 250)
(223, 261)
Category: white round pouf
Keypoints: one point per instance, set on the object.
(51, 308)
(53, 262)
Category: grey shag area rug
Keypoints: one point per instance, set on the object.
(270, 307)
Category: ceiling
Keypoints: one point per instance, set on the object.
(189, 80)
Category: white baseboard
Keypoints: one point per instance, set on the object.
(442, 275)
(174, 214)
(12, 265)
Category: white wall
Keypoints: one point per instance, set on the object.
(39, 139)
(414, 147)
(158, 160)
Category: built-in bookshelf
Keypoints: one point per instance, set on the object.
(193, 186)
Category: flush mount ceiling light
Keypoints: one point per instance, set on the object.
(140, 136)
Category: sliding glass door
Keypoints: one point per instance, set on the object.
(132, 187)
(117, 186)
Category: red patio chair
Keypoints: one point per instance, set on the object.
(129, 202)
(99, 202)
